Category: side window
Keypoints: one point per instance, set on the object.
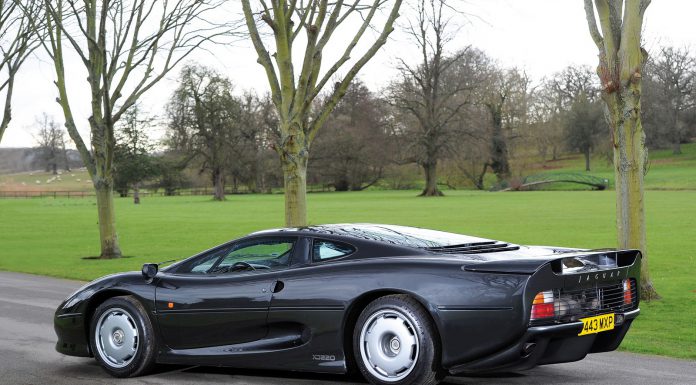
(323, 250)
(203, 264)
(261, 254)
(258, 254)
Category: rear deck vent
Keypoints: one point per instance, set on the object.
(474, 248)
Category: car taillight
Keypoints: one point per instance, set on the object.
(543, 306)
(627, 291)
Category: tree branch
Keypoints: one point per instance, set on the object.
(343, 85)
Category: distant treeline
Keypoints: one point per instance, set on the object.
(14, 160)
(483, 120)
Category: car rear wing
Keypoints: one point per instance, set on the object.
(561, 264)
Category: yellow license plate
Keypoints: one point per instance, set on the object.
(597, 324)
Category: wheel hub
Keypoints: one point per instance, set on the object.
(395, 345)
(389, 345)
(116, 337)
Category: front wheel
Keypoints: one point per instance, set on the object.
(121, 337)
(395, 343)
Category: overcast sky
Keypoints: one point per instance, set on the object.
(539, 36)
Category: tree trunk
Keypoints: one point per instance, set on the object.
(218, 185)
(107, 222)
(676, 135)
(629, 167)
(136, 193)
(621, 60)
(253, 186)
(586, 152)
(430, 189)
(630, 158)
(295, 183)
(676, 142)
(7, 111)
(478, 182)
(677, 148)
(262, 183)
(499, 155)
(66, 159)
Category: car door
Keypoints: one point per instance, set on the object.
(310, 300)
(221, 297)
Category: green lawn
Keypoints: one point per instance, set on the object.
(49, 236)
(76, 180)
(665, 170)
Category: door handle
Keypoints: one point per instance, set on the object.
(277, 286)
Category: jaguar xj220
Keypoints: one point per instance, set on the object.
(400, 305)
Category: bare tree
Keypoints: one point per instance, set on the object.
(621, 62)
(551, 103)
(433, 91)
(354, 147)
(674, 73)
(505, 99)
(258, 164)
(571, 82)
(315, 23)
(204, 120)
(50, 138)
(133, 162)
(126, 47)
(571, 98)
(584, 124)
(471, 154)
(545, 130)
(17, 41)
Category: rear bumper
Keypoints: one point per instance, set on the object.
(72, 339)
(550, 344)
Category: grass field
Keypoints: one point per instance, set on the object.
(76, 180)
(49, 236)
(665, 170)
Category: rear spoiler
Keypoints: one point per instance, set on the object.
(603, 258)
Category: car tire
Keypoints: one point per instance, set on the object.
(395, 343)
(122, 338)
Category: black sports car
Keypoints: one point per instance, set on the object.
(401, 304)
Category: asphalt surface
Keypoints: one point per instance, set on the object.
(27, 354)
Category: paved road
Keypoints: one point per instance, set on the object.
(27, 356)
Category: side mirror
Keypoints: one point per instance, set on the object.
(150, 270)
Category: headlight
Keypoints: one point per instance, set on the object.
(79, 295)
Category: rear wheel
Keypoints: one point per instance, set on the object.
(394, 342)
(122, 338)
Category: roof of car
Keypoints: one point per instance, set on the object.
(392, 234)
